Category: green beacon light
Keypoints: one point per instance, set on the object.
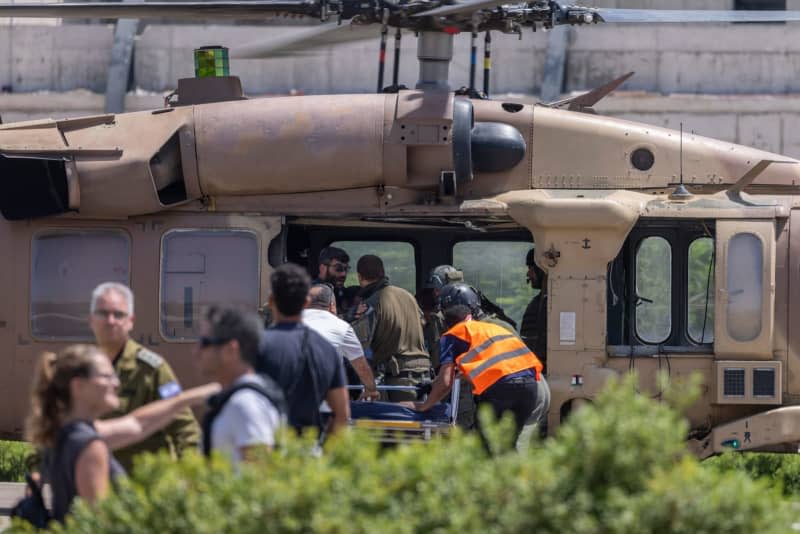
(211, 62)
(732, 443)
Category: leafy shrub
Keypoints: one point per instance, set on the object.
(13, 460)
(781, 470)
(617, 466)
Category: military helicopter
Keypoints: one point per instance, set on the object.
(196, 202)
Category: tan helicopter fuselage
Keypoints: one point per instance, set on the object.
(589, 189)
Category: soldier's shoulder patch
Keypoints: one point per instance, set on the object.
(150, 358)
(170, 389)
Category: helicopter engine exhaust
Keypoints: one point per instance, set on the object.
(43, 192)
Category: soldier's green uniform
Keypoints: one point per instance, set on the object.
(392, 329)
(146, 377)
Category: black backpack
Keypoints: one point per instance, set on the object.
(31, 508)
(270, 389)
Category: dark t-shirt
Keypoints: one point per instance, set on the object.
(60, 464)
(281, 357)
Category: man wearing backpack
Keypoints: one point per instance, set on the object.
(246, 414)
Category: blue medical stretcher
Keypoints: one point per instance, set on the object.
(392, 423)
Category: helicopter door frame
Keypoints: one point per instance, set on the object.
(740, 301)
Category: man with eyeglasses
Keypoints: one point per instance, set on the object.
(144, 375)
(334, 264)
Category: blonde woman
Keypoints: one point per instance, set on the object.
(71, 390)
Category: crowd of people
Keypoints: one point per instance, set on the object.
(94, 407)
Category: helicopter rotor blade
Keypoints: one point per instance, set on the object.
(693, 15)
(254, 10)
(305, 40)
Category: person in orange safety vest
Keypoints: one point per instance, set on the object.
(503, 371)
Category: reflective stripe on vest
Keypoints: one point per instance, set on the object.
(493, 353)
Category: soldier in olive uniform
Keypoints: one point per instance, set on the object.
(534, 320)
(440, 277)
(434, 320)
(390, 323)
(144, 375)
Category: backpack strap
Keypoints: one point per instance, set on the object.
(269, 389)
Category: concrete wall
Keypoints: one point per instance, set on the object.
(725, 59)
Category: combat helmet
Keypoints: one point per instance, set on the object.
(453, 294)
(443, 275)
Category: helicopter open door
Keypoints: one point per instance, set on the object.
(745, 288)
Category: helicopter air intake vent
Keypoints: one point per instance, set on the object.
(749, 382)
(734, 383)
(167, 171)
(764, 382)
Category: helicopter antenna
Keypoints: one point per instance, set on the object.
(396, 67)
(487, 62)
(680, 192)
(473, 60)
(680, 152)
(382, 53)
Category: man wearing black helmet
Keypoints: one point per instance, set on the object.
(462, 294)
(504, 373)
(534, 321)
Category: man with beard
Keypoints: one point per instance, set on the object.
(334, 263)
(534, 321)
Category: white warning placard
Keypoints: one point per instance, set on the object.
(566, 328)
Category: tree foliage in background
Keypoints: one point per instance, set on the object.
(14, 457)
(617, 466)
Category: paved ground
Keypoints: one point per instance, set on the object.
(10, 493)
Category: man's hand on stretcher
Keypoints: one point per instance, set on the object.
(370, 395)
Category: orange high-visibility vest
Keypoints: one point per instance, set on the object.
(493, 353)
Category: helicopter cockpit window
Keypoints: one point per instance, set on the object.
(745, 286)
(660, 296)
(700, 290)
(498, 270)
(200, 268)
(66, 265)
(398, 261)
(653, 299)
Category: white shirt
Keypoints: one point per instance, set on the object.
(339, 333)
(247, 419)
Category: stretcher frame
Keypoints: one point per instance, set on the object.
(389, 431)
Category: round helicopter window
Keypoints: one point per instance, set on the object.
(643, 159)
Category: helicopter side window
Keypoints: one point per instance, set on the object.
(498, 269)
(661, 290)
(397, 256)
(653, 299)
(66, 265)
(745, 286)
(200, 268)
(700, 290)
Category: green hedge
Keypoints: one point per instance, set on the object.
(14, 457)
(617, 466)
